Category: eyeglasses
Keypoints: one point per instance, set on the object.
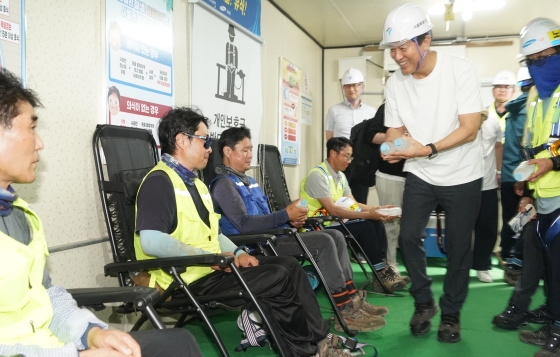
(355, 85)
(503, 86)
(347, 157)
(207, 139)
(538, 61)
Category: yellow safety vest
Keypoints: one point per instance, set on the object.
(549, 184)
(336, 191)
(502, 120)
(190, 229)
(25, 308)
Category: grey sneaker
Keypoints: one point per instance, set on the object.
(360, 258)
(356, 319)
(537, 338)
(423, 313)
(359, 301)
(450, 328)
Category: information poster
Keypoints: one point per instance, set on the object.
(306, 109)
(290, 112)
(246, 13)
(226, 75)
(139, 40)
(12, 56)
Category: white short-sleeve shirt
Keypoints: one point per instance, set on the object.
(429, 108)
(491, 134)
(341, 117)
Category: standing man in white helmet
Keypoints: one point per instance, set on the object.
(436, 98)
(343, 116)
(540, 44)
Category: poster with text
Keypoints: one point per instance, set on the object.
(11, 37)
(246, 13)
(139, 47)
(226, 76)
(290, 112)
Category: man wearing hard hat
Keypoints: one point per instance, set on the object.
(436, 98)
(343, 116)
(540, 44)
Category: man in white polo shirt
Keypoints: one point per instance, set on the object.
(342, 117)
(436, 98)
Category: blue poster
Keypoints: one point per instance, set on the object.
(247, 13)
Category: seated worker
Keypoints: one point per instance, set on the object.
(325, 184)
(175, 217)
(243, 206)
(36, 317)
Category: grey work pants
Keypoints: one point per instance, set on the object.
(390, 192)
(461, 204)
(328, 248)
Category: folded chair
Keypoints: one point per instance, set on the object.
(130, 154)
(208, 173)
(274, 186)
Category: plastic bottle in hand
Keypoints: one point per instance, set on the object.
(523, 171)
(303, 204)
(402, 144)
(387, 148)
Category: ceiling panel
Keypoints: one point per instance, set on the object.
(335, 23)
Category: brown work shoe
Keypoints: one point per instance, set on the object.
(396, 274)
(359, 301)
(356, 319)
(391, 282)
(329, 348)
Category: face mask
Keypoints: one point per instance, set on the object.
(547, 76)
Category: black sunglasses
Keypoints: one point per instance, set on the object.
(539, 61)
(207, 139)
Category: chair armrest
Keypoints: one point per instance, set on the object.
(98, 296)
(246, 238)
(314, 221)
(331, 218)
(193, 260)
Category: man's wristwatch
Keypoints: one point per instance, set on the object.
(434, 151)
(555, 163)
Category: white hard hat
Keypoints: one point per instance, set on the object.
(403, 24)
(352, 76)
(523, 74)
(504, 77)
(539, 34)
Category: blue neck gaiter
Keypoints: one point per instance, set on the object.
(185, 174)
(547, 76)
(7, 198)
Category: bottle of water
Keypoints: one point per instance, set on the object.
(523, 171)
(387, 148)
(303, 204)
(402, 144)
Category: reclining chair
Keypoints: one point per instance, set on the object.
(130, 154)
(208, 174)
(274, 185)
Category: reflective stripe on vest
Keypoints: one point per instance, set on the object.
(190, 229)
(542, 129)
(336, 191)
(25, 307)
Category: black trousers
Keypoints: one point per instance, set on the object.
(461, 204)
(176, 342)
(281, 284)
(485, 230)
(359, 190)
(511, 247)
(371, 236)
(551, 253)
(533, 268)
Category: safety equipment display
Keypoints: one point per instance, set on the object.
(352, 76)
(538, 35)
(504, 78)
(403, 24)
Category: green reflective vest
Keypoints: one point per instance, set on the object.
(190, 229)
(336, 191)
(25, 308)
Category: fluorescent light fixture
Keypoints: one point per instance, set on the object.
(476, 5)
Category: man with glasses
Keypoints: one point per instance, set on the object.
(540, 44)
(325, 184)
(342, 117)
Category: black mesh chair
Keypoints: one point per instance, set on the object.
(208, 173)
(130, 154)
(274, 185)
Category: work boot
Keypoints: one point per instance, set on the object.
(390, 281)
(357, 319)
(511, 275)
(538, 316)
(551, 347)
(395, 273)
(423, 313)
(359, 301)
(537, 338)
(449, 329)
(329, 348)
(511, 319)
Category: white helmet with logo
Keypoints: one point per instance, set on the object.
(352, 76)
(539, 34)
(504, 77)
(403, 24)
